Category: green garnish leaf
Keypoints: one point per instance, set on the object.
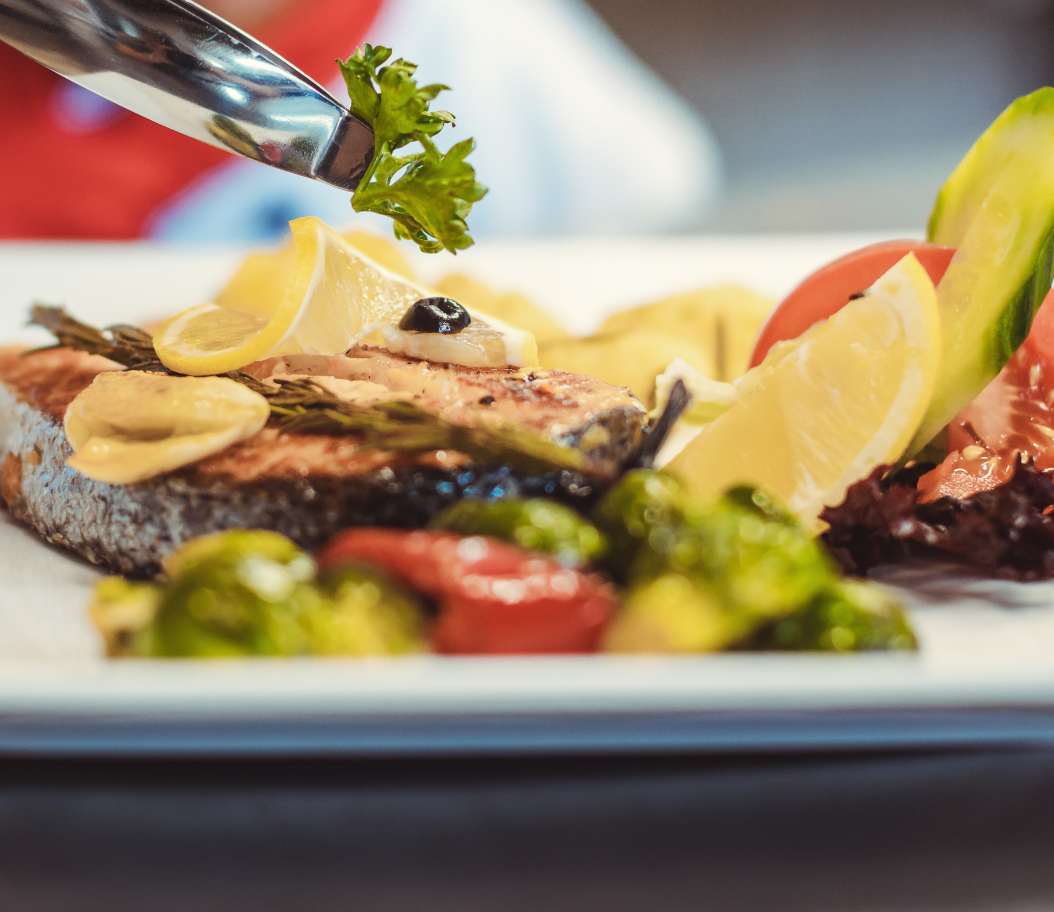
(428, 194)
(123, 344)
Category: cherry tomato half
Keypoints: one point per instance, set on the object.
(492, 596)
(829, 289)
(1040, 341)
(1010, 417)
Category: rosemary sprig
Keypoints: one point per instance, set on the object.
(123, 344)
(303, 405)
(676, 405)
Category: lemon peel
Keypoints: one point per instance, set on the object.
(131, 425)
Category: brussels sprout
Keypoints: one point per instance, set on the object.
(121, 611)
(716, 581)
(755, 500)
(706, 575)
(236, 593)
(849, 616)
(366, 613)
(757, 565)
(243, 593)
(536, 524)
(642, 503)
(672, 613)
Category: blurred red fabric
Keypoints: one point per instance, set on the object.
(59, 179)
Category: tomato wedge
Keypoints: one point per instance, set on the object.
(493, 598)
(1040, 341)
(1012, 417)
(830, 288)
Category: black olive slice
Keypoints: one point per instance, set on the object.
(435, 315)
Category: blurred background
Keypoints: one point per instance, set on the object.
(592, 117)
(839, 114)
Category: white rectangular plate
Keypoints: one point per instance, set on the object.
(984, 674)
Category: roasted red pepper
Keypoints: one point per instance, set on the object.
(493, 598)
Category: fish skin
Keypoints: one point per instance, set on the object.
(305, 486)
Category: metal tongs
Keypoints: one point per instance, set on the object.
(183, 67)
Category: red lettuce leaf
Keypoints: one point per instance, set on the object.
(1007, 532)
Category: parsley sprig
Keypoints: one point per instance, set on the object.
(428, 194)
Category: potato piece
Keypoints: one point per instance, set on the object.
(743, 316)
(724, 321)
(510, 308)
(630, 359)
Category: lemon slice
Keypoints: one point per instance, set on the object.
(822, 412)
(260, 282)
(335, 297)
(130, 425)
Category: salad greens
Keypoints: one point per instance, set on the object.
(428, 194)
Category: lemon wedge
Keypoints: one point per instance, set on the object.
(131, 425)
(335, 297)
(823, 411)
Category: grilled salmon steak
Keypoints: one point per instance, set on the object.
(306, 486)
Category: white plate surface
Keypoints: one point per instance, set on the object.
(984, 674)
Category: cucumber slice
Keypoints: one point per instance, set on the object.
(997, 208)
